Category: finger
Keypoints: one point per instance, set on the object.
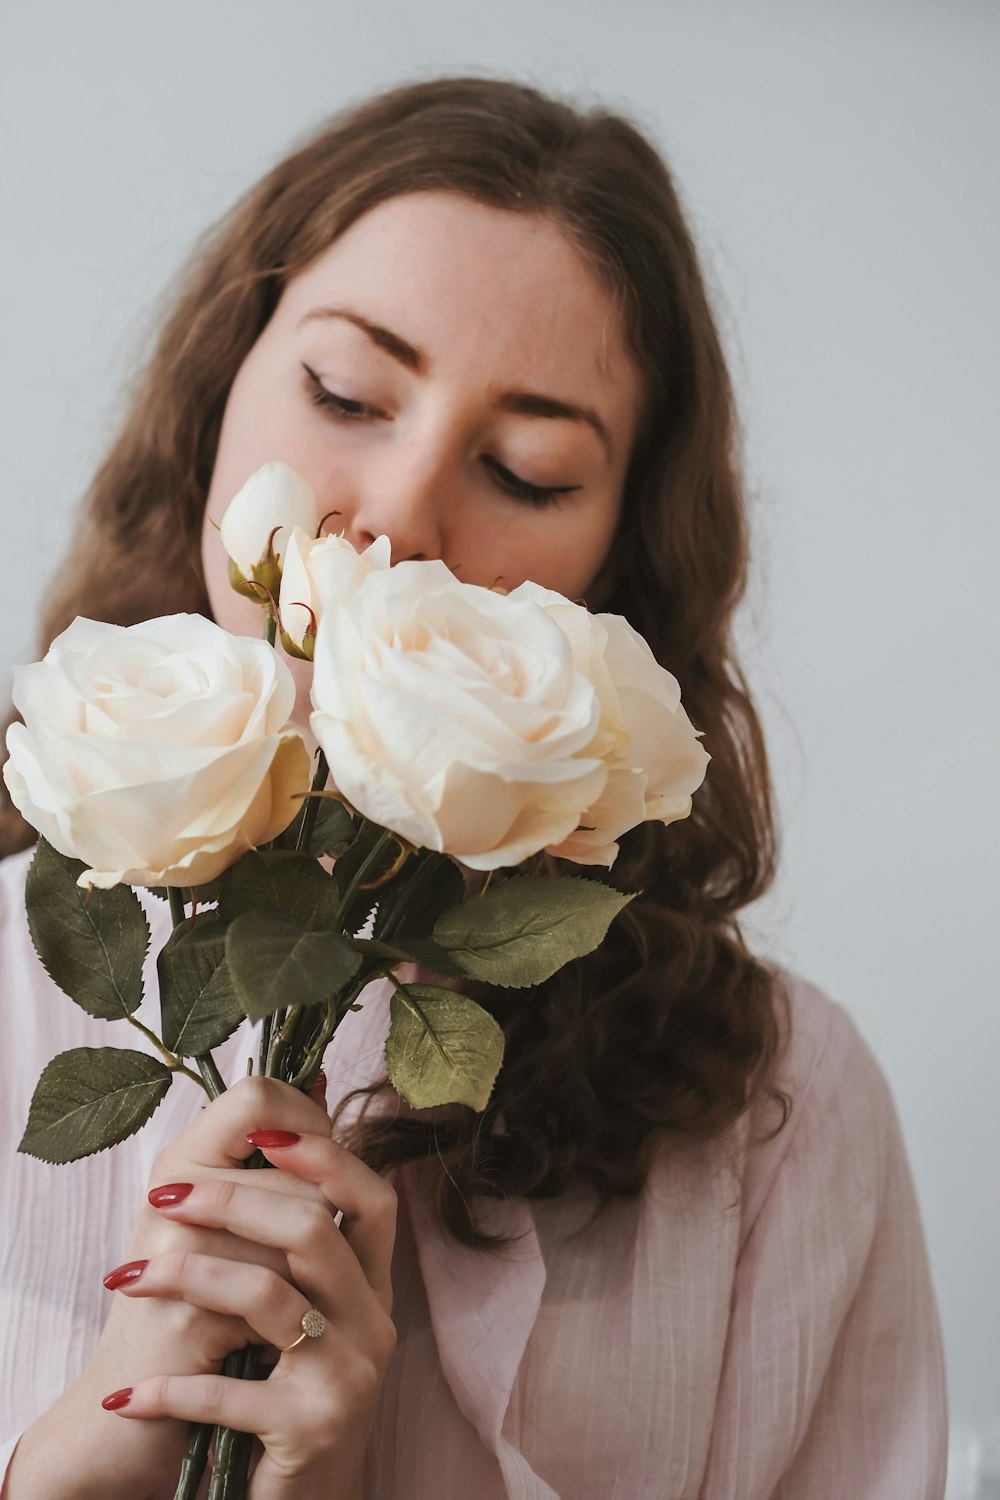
(270, 1308)
(368, 1202)
(217, 1137)
(244, 1405)
(319, 1258)
(155, 1234)
(294, 1420)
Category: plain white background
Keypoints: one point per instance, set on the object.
(839, 163)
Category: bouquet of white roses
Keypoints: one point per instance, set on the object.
(458, 729)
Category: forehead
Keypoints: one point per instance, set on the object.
(506, 294)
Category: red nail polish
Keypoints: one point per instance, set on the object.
(320, 1081)
(125, 1275)
(273, 1139)
(117, 1399)
(169, 1194)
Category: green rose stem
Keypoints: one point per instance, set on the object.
(232, 1449)
(335, 1011)
(231, 1463)
(272, 1025)
(231, 1460)
(281, 1041)
(193, 1466)
(211, 1077)
(289, 1030)
(312, 805)
(173, 1062)
(339, 1005)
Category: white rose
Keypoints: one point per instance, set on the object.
(454, 716)
(646, 740)
(316, 570)
(157, 753)
(257, 524)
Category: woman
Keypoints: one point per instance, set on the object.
(679, 1254)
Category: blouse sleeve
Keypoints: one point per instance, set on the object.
(833, 1379)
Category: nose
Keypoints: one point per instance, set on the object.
(405, 495)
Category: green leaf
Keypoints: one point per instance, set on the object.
(522, 931)
(92, 943)
(91, 1098)
(199, 1004)
(442, 1048)
(294, 886)
(276, 962)
(332, 832)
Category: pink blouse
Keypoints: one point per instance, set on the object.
(763, 1330)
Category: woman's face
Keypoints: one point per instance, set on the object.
(453, 376)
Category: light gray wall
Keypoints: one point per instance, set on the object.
(840, 165)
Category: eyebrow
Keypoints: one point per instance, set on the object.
(522, 403)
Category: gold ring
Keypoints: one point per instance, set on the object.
(313, 1324)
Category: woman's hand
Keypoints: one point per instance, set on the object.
(315, 1411)
(228, 1258)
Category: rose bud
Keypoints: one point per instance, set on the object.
(257, 524)
(317, 572)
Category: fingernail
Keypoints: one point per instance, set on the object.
(124, 1275)
(169, 1194)
(320, 1081)
(117, 1399)
(272, 1139)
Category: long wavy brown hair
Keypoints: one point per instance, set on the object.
(672, 1028)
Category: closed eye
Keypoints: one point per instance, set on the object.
(537, 494)
(342, 408)
(339, 406)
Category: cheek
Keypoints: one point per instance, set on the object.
(254, 432)
(572, 551)
(265, 421)
(567, 569)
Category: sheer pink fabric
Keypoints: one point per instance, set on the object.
(686, 1347)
